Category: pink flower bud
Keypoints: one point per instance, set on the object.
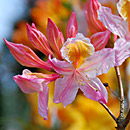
(38, 40)
(25, 56)
(72, 26)
(100, 39)
(94, 24)
(55, 38)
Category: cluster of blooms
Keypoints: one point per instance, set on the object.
(77, 61)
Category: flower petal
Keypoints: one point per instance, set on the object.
(55, 37)
(100, 39)
(25, 56)
(72, 26)
(31, 82)
(112, 22)
(98, 63)
(122, 51)
(65, 90)
(61, 67)
(28, 83)
(100, 95)
(43, 102)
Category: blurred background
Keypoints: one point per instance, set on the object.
(19, 111)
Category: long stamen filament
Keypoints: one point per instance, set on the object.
(80, 81)
(92, 87)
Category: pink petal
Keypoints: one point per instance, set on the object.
(98, 63)
(31, 82)
(100, 39)
(43, 102)
(72, 26)
(112, 22)
(38, 40)
(65, 90)
(122, 51)
(25, 56)
(55, 37)
(94, 24)
(61, 67)
(100, 95)
(28, 83)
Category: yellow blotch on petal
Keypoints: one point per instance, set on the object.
(78, 51)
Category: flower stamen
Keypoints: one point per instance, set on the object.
(81, 81)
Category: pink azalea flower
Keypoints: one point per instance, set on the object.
(80, 69)
(118, 27)
(100, 35)
(25, 56)
(36, 82)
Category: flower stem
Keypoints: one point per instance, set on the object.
(126, 84)
(127, 119)
(121, 118)
(121, 121)
(109, 111)
(120, 83)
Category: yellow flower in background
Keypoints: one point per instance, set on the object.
(82, 115)
(54, 9)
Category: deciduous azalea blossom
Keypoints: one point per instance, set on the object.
(75, 60)
(118, 27)
(80, 67)
(36, 82)
(26, 56)
(100, 35)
